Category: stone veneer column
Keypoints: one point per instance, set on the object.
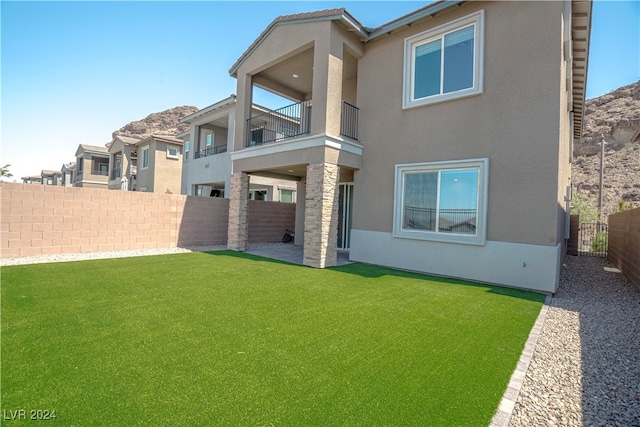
(321, 216)
(238, 203)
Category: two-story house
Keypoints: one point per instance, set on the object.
(68, 174)
(439, 142)
(92, 167)
(208, 144)
(123, 160)
(159, 166)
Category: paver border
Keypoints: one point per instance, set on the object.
(508, 402)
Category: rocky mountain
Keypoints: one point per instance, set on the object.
(614, 117)
(163, 123)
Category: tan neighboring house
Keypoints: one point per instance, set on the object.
(159, 163)
(50, 177)
(68, 171)
(206, 168)
(92, 166)
(35, 179)
(123, 161)
(439, 142)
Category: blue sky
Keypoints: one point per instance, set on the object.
(73, 72)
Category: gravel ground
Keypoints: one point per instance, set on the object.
(103, 255)
(585, 369)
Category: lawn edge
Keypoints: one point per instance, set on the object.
(502, 417)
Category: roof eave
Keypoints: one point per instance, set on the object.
(410, 18)
(347, 19)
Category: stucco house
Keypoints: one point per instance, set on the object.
(439, 142)
(159, 164)
(92, 166)
(68, 171)
(206, 168)
(123, 161)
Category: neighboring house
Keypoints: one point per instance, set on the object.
(36, 179)
(159, 167)
(49, 177)
(92, 167)
(68, 174)
(123, 161)
(439, 142)
(206, 168)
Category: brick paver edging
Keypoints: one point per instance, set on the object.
(508, 402)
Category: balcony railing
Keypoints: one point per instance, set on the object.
(100, 172)
(349, 121)
(116, 173)
(294, 121)
(274, 126)
(210, 151)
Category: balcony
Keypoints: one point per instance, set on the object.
(294, 121)
(210, 151)
(100, 172)
(116, 173)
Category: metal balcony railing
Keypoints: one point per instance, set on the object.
(210, 151)
(349, 121)
(288, 122)
(115, 173)
(100, 172)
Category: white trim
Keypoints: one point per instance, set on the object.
(476, 19)
(170, 156)
(517, 265)
(481, 216)
(298, 144)
(142, 150)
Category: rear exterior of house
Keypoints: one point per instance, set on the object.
(440, 142)
(92, 167)
(208, 144)
(123, 162)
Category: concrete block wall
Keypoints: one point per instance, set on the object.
(268, 220)
(624, 243)
(43, 220)
(203, 222)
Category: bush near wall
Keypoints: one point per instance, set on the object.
(624, 243)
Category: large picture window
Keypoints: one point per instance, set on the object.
(442, 201)
(445, 62)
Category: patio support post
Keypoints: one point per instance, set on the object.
(321, 216)
(238, 205)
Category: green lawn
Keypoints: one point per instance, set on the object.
(225, 338)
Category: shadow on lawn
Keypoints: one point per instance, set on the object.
(375, 271)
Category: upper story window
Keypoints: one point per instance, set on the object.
(172, 152)
(442, 201)
(445, 62)
(145, 157)
(186, 150)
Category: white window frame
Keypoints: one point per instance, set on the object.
(172, 156)
(142, 152)
(481, 217)
(476, 19)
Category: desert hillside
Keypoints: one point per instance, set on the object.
(616, 118)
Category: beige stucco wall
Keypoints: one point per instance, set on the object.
(163, 174)
(167, 171)
(515, 123)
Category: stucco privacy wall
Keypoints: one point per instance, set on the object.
(624, 243)
(42, 220)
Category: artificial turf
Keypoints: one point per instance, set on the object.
(224, 338)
